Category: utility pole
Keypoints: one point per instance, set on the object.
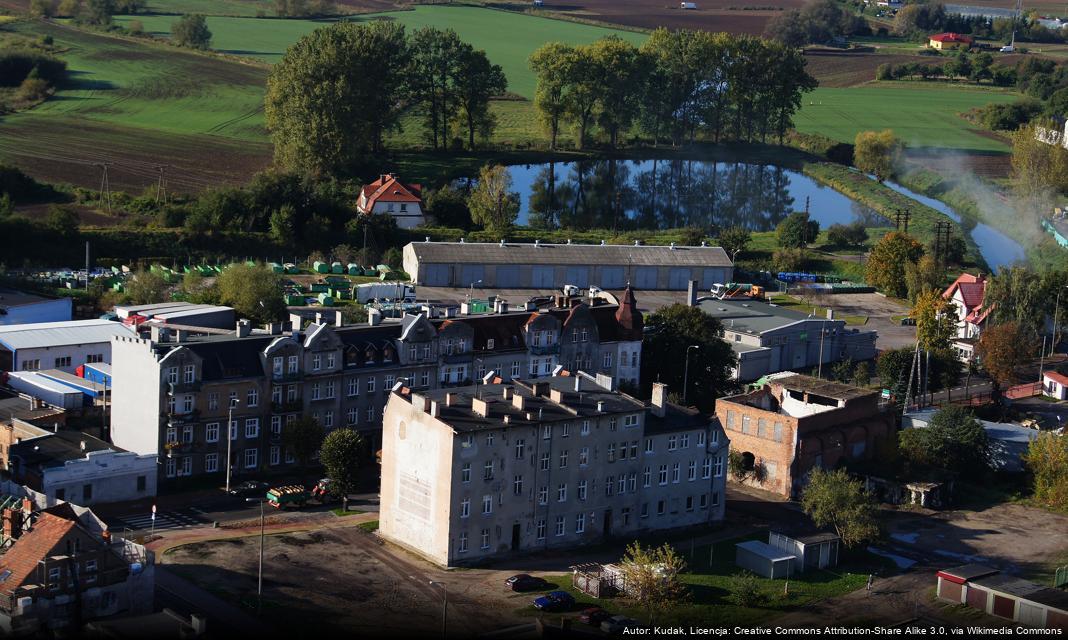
(161, 184)
(105, 185)
(912, 372)
(86, 265)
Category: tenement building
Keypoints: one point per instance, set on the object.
(492, 469)
(795, 423)
(175, 392)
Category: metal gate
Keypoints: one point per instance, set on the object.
(507, 276)
(645, 278)
(436, 275)
(542, 278)
(1031, 615)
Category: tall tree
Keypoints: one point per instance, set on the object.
(550, 64)
(340, 455)
(585, 80)
(478, 81)
(734, 240)
(492, 202)
(335, 94)
(886, 263)
(146, 287)
(878, 153)
(669, 332)
(254, 291)
(936, 321)
(796, 231)
(954, 440)
(435, 65)
(1047, 459)
(1039, 169)
(1001, 349)
(192, 31)
(302, 438)
(623, 68)
(833, 498)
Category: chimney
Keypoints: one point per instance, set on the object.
(450, 399)
(81, 445)
(244, 328)
(106, 535)
(507, 394)
(374, 317)
(830, 314)
(600, 406)
(507, 419)
(12, 524)
(435, 409)
(27, 506)
(480, 407)
(519, 402)
(659, 399)
(296, 322)
(199, 624)
(672, 246)
(339, 318)
(540, 388)
(318, 317)
(691, 294)
(273, 328)
(557, 396)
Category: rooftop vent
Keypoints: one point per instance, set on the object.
(537, 243)
(502, 242)
(427, 239)
(602, 243)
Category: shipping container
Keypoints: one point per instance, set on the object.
(337, 267)
(354, 269)
(296, 301)
(325, 300)
(321, 267)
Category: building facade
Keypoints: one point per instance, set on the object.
(506, 265)
(57, 345)
(481, 471)
(796, 423)
(967, 295)
(18, 307)
(175, 398)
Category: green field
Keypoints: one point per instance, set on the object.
(211, 7)
(507, 37)
(922, 114)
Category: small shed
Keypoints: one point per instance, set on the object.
(1055, 385)
(815, 550)
(763, 559)
(951, 581)
(597, 580)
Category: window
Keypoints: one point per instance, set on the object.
(290, 458)
(644, 513)
(545, 461)
(536, 338)
(465, 507)
(612, 452)
(390, 381)
(647, 477)
(563, 459)
(463, 542)
(520, 448)
(585, 334)
(584, 456)
(31, 365)
(649, 445)
(252, 427)
(489, 439)
(706, 467)
(276, 455)
(580, 523)
(662, 475)
(187, 434)
(487, 471)
(370, 414)
(94, 358)
(703, 500)
(634, 450)
(465, 472)
(276, 394)
(778, 432)
(371, 384)
(187, 404)
(611, 424)
(540, 531)
(252, 458)
(715, 498)
(622, 487)
(543, 495)
(276, 425)
(172, 467)
(487, 505)
(691, 471)
(211, 463)
(675, 476)
(582, 490)
(684, 441)
(585, 429)
(517, 485)
(561, 493)
(689, 503)
(673, 443)
(746, 428)
(330, 393)
(632, 481)
(291, 393)
(330, 361)
(559, 525)
(713, 437)
(328, 419)
(762, 428)
(213, 401)
(172, 374)
(534, 366)
(172, 435)
(660, 507)
(565, 430)
(317, 362)
(54, 575)
(547, 432)
(352, 416)
(292, 364)
(515, 368)
(730, 419)
(424, 378)
(253, 397)
(630, 421)
(607, 362)
(277, 366)
(700, 439)
(315, 391)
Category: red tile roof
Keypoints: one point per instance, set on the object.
(1059, 378)
(36, 544)
(388, 189)
(951, 37)
(972, 290)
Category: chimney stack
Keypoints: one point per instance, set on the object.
(830, 314)
(244, 328)
(339, 319)
(450, 399)
(296, 322)
(600, 406)
(318, 317)
(435, 409)
(691, 294)
(81, 445)
(659, 399)
(480, 407)
(374, 317)
(519, 402)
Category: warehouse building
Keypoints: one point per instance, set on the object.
(17, 307)
(58, 345)
(506, 265)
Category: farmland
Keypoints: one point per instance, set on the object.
(734, 16)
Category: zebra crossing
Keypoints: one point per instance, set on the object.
(164, 520)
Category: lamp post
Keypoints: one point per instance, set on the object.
(686, 373)
(230, 438)
(471, 291)
(444, 607)
(259, 582)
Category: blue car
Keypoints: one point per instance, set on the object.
(555, 601)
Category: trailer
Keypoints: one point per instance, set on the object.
(288, 496)
(400, 291)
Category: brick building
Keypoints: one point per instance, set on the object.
(795, 423)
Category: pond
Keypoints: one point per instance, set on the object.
(663, 194)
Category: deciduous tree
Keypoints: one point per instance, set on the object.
(192, 31)
(878, 153)
(492, 202)
(954, 440)
(302, 438)
(1047, 459)
(146, 287)
(478, 81)
(669, 331)
(936, 321)
(254, 291)
(886, 264)
(734, 239)
(340, 455)
(833, 498)
(797, 231)
(1001, 349)
(550, 64)
(652, 576)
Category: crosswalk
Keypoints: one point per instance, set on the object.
(164, 520)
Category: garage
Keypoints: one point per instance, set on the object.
(1032, 615)
(678, 278)
(977, 598)
(612, 278)
(508, 276)
(949, 591)
(645, 277)
(436, 275)
(542, 278)
(1003, 607)
(762, 559)
(472, 274)
(578, 276)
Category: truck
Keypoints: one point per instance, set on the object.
(293, 495)
(364, 293)
(736, 290)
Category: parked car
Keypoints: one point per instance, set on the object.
(248, 488)
(554, 601)
(594, 616)
(524, 582)
(617, 624)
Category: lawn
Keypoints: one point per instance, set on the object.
(507, 37)
(709, 585)
(922, 114)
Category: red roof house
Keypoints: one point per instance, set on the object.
(390, 196)
(969, 293)
(950, 41)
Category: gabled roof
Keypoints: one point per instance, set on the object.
(55, 334)
(1059, 378)
(972, 291)
(388, 189)
(951, 37)
(19, 565)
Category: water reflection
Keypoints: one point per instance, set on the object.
(659, 194)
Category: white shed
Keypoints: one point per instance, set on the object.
(762, 559)
(1055, 385)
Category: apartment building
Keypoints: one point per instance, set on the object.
(174, 392)
(795, 423)
(479, 471)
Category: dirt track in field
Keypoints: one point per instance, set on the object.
(735, 16)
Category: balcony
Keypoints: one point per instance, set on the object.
(176, 419)
(183, 387)
(290, 406)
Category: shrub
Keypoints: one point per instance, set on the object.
(788, 260)
(34, 90)
(744, 590)
(136, 27)
(18, 64)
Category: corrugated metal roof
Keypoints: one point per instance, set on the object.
(765, 551)
(124, 310)
(44, 382)
(54, 334)
(576, 254)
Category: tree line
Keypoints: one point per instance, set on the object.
(678, 86)
(338, 91)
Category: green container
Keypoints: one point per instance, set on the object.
(321, 267)
(325, 300)
(337, 267)
(295, 301)
(383, 268)
(292, 268)
(354, 269)
(277, 268)
(320, 287)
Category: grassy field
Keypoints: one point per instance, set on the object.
(508, 38)
(923, 115)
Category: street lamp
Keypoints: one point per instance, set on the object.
(230, 435)
(444, 607)
(686, 373)
(259, 583)
(471, 292)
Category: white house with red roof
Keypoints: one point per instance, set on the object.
(1055, 385)
(950, 41)
(968, 293)
(390, 196)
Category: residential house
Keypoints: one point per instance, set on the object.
(389, 196)
(967, 293)
(480, 471)
(1055, 385)
(945, 41)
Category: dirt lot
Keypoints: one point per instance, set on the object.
(848, 68)
(735, 16)
(879, 310)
